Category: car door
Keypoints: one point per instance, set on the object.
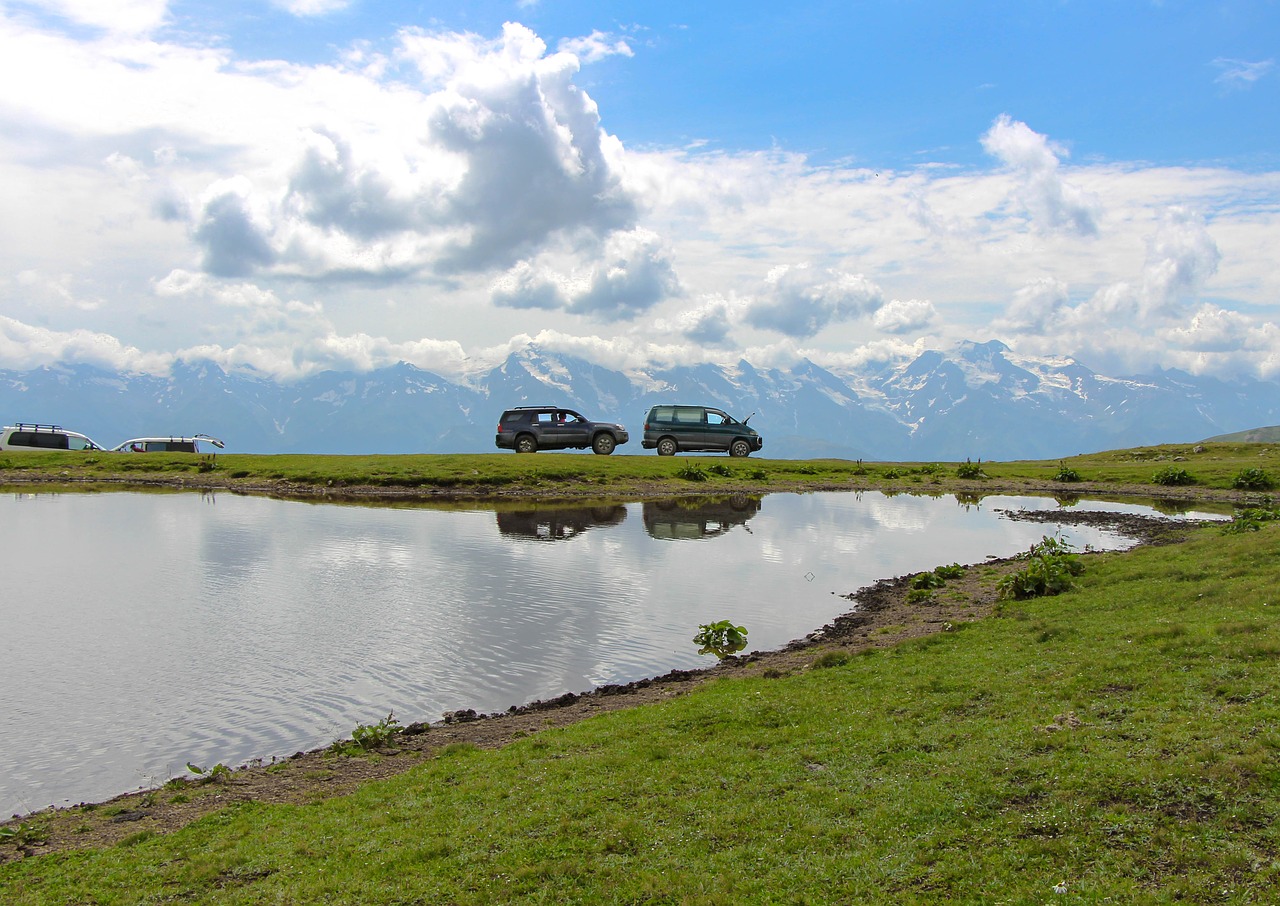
(576, 427)
(721, 429)
(562, 428)
(690, 427)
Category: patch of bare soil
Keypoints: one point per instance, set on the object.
(879, 616)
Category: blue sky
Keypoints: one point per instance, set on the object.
(335, 183)
(882, 83)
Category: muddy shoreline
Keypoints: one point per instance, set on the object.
(879, 616)
(630, 491)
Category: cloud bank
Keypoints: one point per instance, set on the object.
(437, 197)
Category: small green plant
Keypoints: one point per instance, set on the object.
(720, 469)
(758, 475)
(892, 473)
(954, 571)
(1251, 520)
(691, 472)
(374, 736)
(722, 638)
(219, 772)
(928, 580)
(1051, 565)
(23, 834)
(970, 470)
(207, 462)
(1066, 474)
(1171, 475)
(919, 595)
(1253, 479)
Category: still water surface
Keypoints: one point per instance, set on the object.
(143, 631)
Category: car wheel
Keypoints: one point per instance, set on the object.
(666, 447)
(526, 443)
(603, 444)
(739, 448)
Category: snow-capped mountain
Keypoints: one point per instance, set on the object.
(972, 401)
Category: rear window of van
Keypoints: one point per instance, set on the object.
(45, 440)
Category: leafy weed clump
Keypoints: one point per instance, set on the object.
(1066, 474)
(721, 638)
(1171, 475)
(370, 736)
(970, 470)
(1252, 480)
(1251, 520)
(923, 584)
(691, 472)
(1051, 566)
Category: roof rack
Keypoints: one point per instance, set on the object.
(30, 426)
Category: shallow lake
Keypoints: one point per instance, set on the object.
(145, 631)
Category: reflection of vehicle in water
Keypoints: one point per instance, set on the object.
(557, 523)
(699, 517)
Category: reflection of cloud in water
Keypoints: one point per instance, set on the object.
(363, 552)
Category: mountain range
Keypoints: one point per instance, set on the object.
(973, 401)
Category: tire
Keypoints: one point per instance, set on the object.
(603, 444)
(739, 449)
(667, 447)
(526, 443)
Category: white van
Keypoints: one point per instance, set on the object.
(171, 444)
(43, 437)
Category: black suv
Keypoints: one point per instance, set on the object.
(532, 428)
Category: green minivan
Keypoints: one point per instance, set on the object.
(698, 429)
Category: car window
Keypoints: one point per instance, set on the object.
(717, 418)
(42, 439)
(687, 415)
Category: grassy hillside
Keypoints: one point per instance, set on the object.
(1269, 435)
(1115, 743)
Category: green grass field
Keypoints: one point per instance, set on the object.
(1116, 743)
(1215, 466)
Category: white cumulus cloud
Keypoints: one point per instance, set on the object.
(902, 316)
(799, 300)
(1051, 202)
